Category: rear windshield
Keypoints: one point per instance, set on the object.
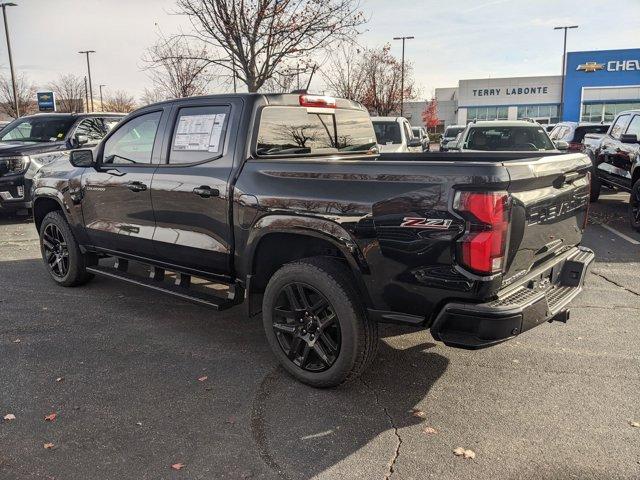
(387, 132)
(582, 131)
(508, 139)
(301, 131)
(452, 132)
(37, 129)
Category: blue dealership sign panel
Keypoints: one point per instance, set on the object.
(46, 101)
(603, 69)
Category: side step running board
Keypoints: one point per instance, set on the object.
(181, 290)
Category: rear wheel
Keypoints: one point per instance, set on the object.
(634, 206)
(61, 253)
(316, 324)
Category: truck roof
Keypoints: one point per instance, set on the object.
(505, 123)
(75, 114)
(278, 99)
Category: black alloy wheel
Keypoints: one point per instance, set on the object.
(634, 206)
(306, 327)
(56, 251)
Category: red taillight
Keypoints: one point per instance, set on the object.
(575, 147)
(483, 246)
(319, 101)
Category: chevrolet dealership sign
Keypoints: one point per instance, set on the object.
(611, 66)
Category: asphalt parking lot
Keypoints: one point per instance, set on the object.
(140, 382)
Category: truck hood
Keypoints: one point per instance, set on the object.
(27, 148)
(391, 148)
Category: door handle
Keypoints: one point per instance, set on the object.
(136, 186)
(206, 191)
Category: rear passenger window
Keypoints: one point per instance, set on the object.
(199, 134)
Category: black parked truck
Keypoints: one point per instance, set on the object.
(283, 203)
(28, 143)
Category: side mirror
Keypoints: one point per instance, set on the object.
(629, 138)
(561, 145)
(414, 142)
(82, 158)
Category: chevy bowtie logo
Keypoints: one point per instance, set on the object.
(590, 67)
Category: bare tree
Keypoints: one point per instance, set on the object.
(346, 73)
(371, 77)
(69, 90)
(153, 95)
(178, 68)
(26, 96)
(256, 38)
(119, 101)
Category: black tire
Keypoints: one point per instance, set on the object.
(61, 253)
(634, 206)
(596, 186)
(354, 334)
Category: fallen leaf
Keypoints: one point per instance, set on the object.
(429, 430)
(51, 417)
(418, 413)
(178, 466)
(231, 420)
(17, 340)
(635, 424)
(59, 379)
(48, 446)
(202, 379)
(465, 453)
(139, 424)
(9, 416)
(516, 361)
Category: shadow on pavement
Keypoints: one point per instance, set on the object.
(302, 432)
(130, 403)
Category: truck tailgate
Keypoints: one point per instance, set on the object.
(550, 199)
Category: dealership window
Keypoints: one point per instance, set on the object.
(605, 112)
(539, 112)
(487, 113)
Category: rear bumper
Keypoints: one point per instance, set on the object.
(540, 297)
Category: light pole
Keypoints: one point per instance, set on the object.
(13, 75)
(86, 95)
(564, 60)
(87, 52)
(402, 74)
(101, 104)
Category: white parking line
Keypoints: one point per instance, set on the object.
(620, 234)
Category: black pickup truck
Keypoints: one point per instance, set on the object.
(28, 143)
(281, 202)
(616, 161)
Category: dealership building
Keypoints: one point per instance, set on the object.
(597, 85)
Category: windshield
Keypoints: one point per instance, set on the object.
(529, 138)
(387, 132)
(452, 132)
(37, 129)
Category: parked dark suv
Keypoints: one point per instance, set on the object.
(573, 133)
(617, 161)
(28, 143)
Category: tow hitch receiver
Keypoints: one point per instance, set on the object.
(562, 316)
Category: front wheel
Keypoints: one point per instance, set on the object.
(634, 206)
(61, 253)
(316, 323)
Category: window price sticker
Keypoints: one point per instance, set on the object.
(199, 133)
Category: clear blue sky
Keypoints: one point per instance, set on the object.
(454, 40)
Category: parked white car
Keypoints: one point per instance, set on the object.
(394, 135)
(421, 134)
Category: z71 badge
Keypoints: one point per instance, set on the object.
(432, 223)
